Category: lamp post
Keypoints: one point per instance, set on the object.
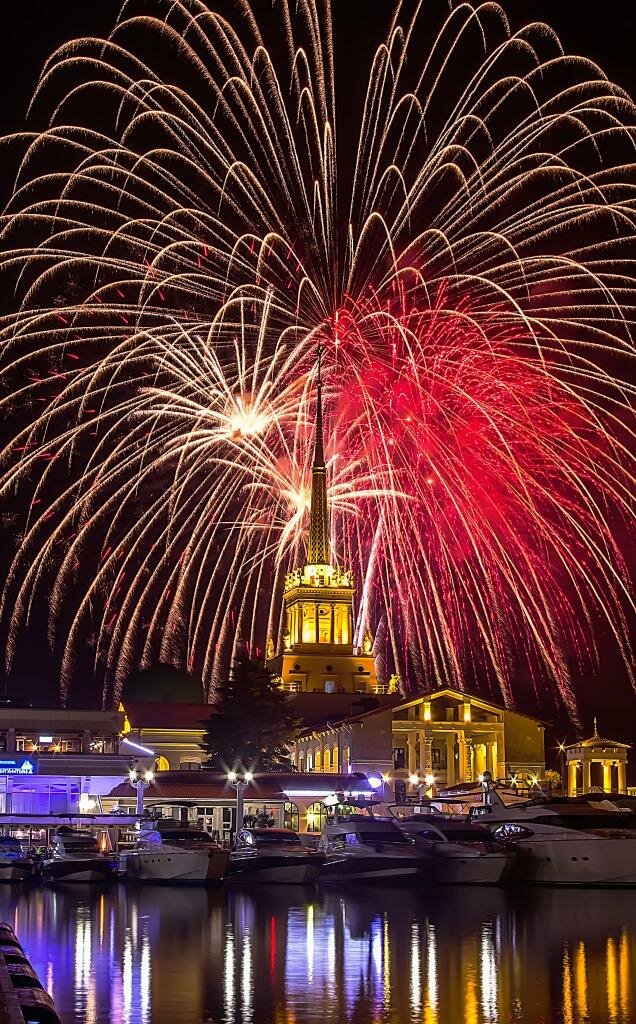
(564, 786)
(140, 779)
(240, 782)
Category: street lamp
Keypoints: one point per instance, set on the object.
(140, 779)
(563, 779)
(240, 782)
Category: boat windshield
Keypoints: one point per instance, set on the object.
(8, 843)
(586, 822)
(371, 837)
(190, 835)
(80, 844)
(272, 838)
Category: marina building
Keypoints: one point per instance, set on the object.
(448, 736)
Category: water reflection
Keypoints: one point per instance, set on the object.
(181, 956)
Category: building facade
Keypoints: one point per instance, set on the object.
(172, 731)
(57, 762)
(293, 800)
(448, 735)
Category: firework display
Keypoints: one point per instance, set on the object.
(181, 237)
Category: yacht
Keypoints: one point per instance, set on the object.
(76, 857)
(564, 840)
(173, 851)
(460, 853)
(272, 855)
(15, 864)
(358, 848)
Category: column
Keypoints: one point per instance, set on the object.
(622, 777)
(491, 757)
(86, 741)
(572, 778)
(332, 619)
(427, 750)
(480, 759)
(450, 760)
(607, 776)
(463, 758)
(410, 753)
(587, 775)
(10, 741)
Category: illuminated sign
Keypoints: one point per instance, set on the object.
(45, 739)
(18, 766)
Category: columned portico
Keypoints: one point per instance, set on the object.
(446, 735)
(602, 764)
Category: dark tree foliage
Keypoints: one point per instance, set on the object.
(254, 725)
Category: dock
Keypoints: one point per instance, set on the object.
(23, 1000)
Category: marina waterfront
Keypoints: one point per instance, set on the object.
(160, 955)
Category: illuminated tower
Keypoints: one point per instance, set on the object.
(318, 652)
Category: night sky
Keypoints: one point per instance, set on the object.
(604, 32)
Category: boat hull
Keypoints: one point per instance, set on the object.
(274, 870)
(174, 867)
(15, 872)
(584, 862)
(360, 869)
(488, 869)
(77, 871)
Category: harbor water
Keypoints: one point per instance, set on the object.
(280, 955)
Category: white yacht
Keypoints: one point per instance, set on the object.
(459, 852)
(358, 848)
(274, 855)
(76, 857)
(15, 864)
(173, 851)
(564, 840)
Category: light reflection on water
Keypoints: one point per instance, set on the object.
(295, 956)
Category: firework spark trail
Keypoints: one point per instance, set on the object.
(175, 269)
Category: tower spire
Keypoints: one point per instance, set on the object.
(318, 552)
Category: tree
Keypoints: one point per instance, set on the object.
(254, 725)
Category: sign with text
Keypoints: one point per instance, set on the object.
(18, 766)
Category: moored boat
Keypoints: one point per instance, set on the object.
(358, 848)
(15, 864)
(458, 852)
(563, 840)
(76, 857)
(272, 855)
(171, 851)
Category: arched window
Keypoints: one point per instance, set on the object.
(162, 764)
(334, 759)
(292, 817)
(326, 767)
(318, 761)
(316, 817)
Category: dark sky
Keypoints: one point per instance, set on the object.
(604, 32)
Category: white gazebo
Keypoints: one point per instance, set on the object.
(583, 756)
